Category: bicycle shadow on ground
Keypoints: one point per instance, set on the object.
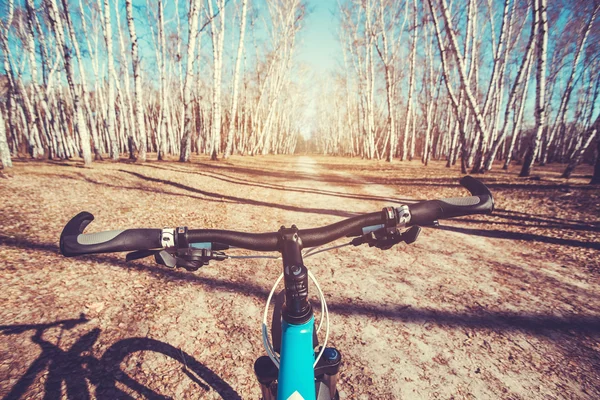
(75, 367)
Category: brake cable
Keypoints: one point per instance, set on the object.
(313, 251)
(271, 257)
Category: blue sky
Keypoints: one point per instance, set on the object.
(319, 46)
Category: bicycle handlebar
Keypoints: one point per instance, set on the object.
(481, 202)
(270, 241)
(74, 242)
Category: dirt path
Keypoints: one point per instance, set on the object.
(454, 315)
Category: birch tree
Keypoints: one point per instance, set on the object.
(137, 82)
(4, 150)
(540, 90)
(460, 122)
(110, 100)
(185, 147)
(388, 51)
(218, 37)
(127, 111)
(163, 125)
(410, 118)
(236, 78)
(80, 126)
(83, 79)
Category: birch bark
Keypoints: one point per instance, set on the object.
(110, 122)
(80, 126)
(137, 83)
(218, 35)
(185, 147)
(236, 78)
(4, 150)
(540, 111)
(127, 112)
(163, 125)
(413, 52)
(83, 80)
(413, 118)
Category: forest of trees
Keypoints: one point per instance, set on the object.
(480, 83)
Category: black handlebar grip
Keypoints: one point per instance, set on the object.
(74, 242)
(482, 202)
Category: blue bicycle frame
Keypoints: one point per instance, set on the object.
(296, 372)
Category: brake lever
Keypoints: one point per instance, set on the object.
(384, 240)
(136, 255)
(189, 258)
(165, 258)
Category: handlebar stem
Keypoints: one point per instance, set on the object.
(297, 308)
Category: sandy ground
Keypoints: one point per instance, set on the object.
(485, 307)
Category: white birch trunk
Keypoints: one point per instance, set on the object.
(83, 81)
(413, 118)
(185, 147)
(540, 111)
(4, 150)
(80, 126)
(370, 75)
(218, 34)
(518, 117)
(127, 112)
(236, 78)
(163, 125)
(137, 82)
(110, 97)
